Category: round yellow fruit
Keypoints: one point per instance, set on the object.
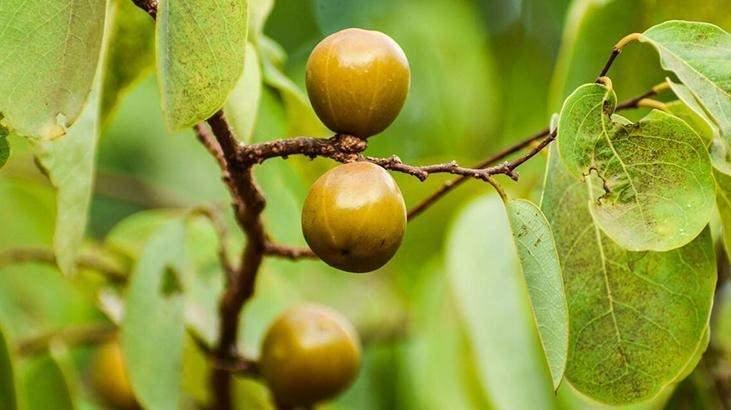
(354, 217)
(357, 81)
(309, 354)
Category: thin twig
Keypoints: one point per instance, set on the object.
(616, 50)
(288, 252)
(214, 216)
(70, 336)
(45, 255)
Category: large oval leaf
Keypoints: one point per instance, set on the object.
(153, 328)
(656, 175)
(50, 54)
(636, 318)
(484, 271)
(700, 55)
(542, 272)
(200, 56)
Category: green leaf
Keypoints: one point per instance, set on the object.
(50, 54)
(693, 114)
(130, 55)
(636, 318)
(45, 385)
(700, 55)
(200, 55)
(721, 156)
(70, 164)
(7, 376)
(542, 271)
(484, 271)
(681, 110)
(301, 117)
(242, 105)
(656, 175)
(153, 327)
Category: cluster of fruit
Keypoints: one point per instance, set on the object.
(354, 216)
(354, 219)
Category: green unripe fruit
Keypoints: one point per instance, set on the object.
(354, 217)
(310, 354)
(357, 81)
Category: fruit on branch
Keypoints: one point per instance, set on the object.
(354, 217)
(309, 354)
(357, 81)
(109, 378)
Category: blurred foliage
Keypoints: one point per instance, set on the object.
(485, 73)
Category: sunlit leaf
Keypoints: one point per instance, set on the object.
(200, 55)
(700, 55)
(153, 327)
(542, 271)
(242, 105)
(131, 52)
(656, 175)
(7, 376)
(50, 54)
(492, 299)
(636, 318)
(259, 11)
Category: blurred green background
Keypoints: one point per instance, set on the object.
(486, 73)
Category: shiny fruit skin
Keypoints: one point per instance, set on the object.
(309, 354)
(354, 217)
(357, 81)
(109, 378)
